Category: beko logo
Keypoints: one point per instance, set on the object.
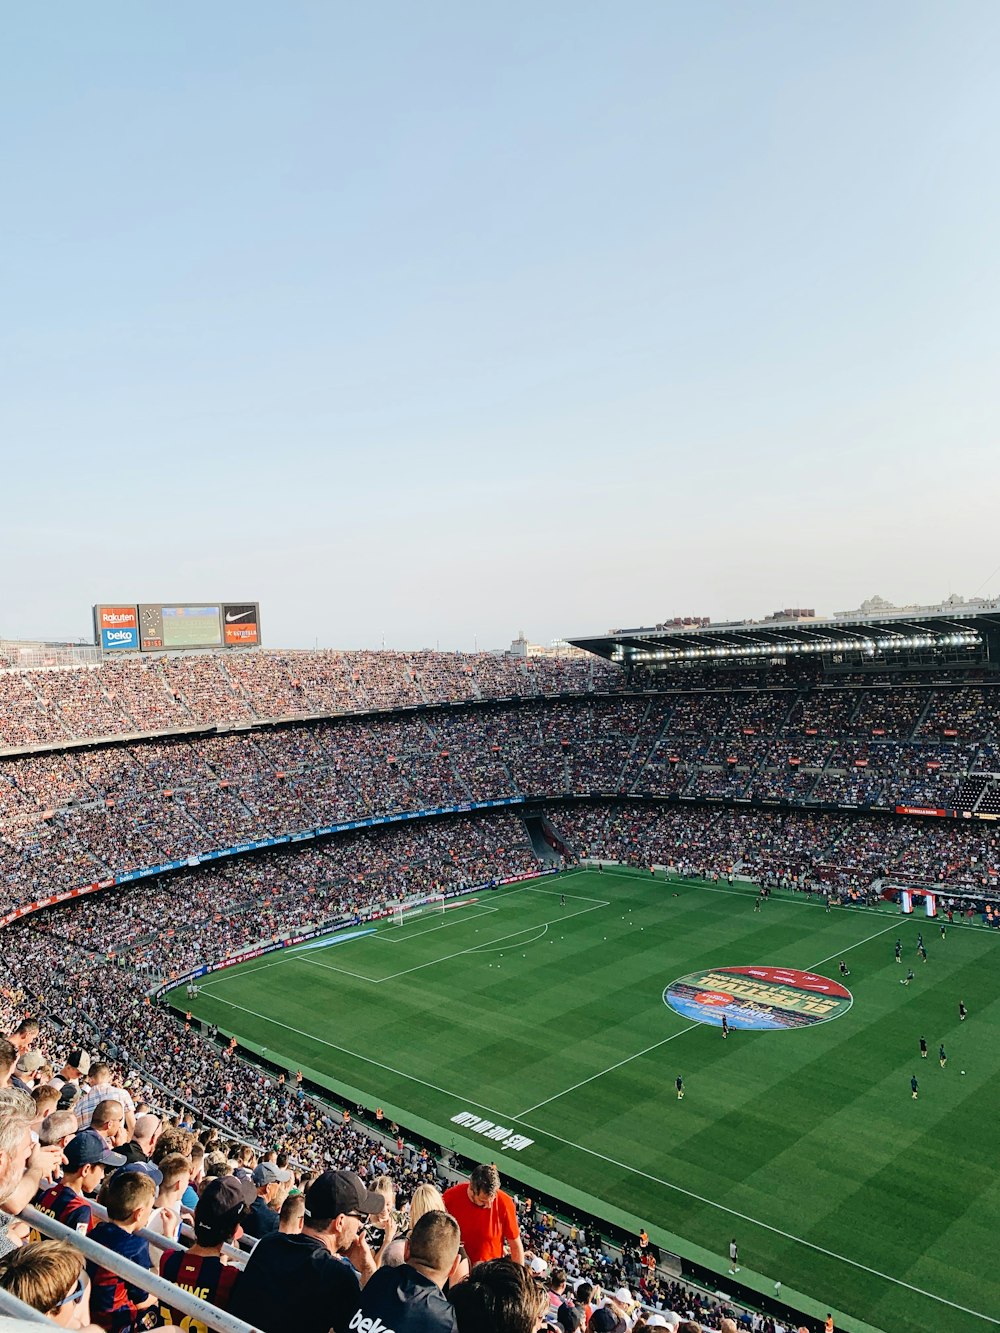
(366, 1325)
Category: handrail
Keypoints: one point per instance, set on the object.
(169, 1292)
(10, 1305)
(163, 1242)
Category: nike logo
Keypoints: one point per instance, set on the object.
(242, 615)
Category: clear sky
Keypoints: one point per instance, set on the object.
(435, 322)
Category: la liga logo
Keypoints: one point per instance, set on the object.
(758, 998)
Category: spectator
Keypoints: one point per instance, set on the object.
(140, 1146)
(87, 1161)
(486, 1215)
(203, 1269)
(77, 1066)
(116, 1304)
(46, 1099)
(500, 1296)
(108, 1120)
(22, 1166)
(8, 1059)
(262, 1219)
(292, 1215)
(408, 1298)
(57, 1129)
(48, 1275)
(175, 1171)
(300, 1282)
(102, 1089)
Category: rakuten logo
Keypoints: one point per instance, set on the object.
(364, 1325)
(117, 615)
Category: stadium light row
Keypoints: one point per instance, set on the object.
(778, 649)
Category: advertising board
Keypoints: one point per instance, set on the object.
(116, 628)
(241, 624)
(152, 627)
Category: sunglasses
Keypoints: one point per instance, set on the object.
(76, 1294)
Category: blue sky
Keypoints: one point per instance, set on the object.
(437, 322)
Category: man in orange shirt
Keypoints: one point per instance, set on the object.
(486, 1216)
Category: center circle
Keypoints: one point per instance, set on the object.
(757, 998)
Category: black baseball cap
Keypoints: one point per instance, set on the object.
(604, 1320)
(224, 1200)
(87, 1148)
(336, 1192)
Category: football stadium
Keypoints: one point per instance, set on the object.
(368, 963)
(691, 930)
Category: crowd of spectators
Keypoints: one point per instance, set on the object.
(82, 815)
(788, 847)
(73, 816)
(138, 695)
(96, 1000)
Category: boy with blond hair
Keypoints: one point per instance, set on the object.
(115, 1304)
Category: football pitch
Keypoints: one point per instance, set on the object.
(536, 1034)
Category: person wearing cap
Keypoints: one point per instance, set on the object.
(26, 1072)
(30, 1067)
(409, 1297)
(262, 1218)
(605, 1319)
(486, 1215)
(88, 1159)
(301, 1282)
(77, 1066)
(204, 1270)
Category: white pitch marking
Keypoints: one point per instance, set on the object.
(623, 1166)
(628, 1058)
(555, 1097)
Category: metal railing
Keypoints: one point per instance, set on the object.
(10, 1305)
(173, 1296)
(162, 1242)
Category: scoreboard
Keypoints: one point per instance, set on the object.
(155, 626)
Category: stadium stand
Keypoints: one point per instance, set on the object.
(112, 770)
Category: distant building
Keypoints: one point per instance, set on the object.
(520, 647)
(879, 606)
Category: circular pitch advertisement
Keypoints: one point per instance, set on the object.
(757, 998)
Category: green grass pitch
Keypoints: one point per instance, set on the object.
(805, 1144)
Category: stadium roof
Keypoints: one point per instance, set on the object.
(870, 635)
